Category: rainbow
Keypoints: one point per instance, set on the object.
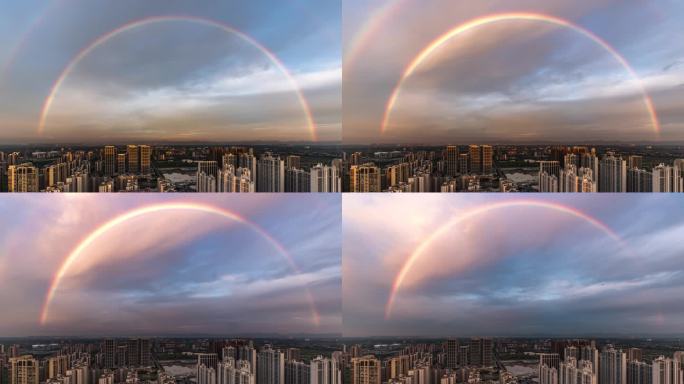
(490, 19)
(77, 252)
(469, 214)
(369, 28)
(158, 19)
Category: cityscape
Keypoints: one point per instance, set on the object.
(171, 361)
(172, 168)
(515, 168)
(490, 360)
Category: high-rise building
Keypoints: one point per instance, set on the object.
(364, 178)
(481, 352)
(297, 372)
(133, 154)
(366, 370)
(57, 366)
(463, 355)
(325, 179)
(550, 360)
(475, 158)
(231, 371)
(297, 180)
(463, 165)
(639, 180)
(270, 175)
(325, 371)
(270, 366)
(109, 160)
(452, 160)
(548, 375)
(667, 179)
(549, 172)
(398, 174)
(452, 353)
(24, 370)
(138, 352)
(121, 163)
(207, 363)
(639, 372)
(666, 371)
(612, 366)
(487, 159)
(145, 159)
(572, 371)
(612, 174)
(207, 173)
(109, 353)
(22, 178)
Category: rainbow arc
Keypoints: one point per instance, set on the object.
(93, 236)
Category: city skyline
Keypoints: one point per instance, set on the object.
(88, 72)
(465, 265)
(495, 72)
(193, 262)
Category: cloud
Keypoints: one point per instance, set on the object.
(173, 272)
(514, 81)
(514, 271)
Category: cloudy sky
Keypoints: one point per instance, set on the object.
(515, 80)
(603, 265)
(174, 271)
(171, 80)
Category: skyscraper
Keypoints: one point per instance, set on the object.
(297, 180)
(121, 163)
(270, 174)
(666, 371)
(24, 370)
(480, 352)
(270, 366)
(639, 372)
(487, 160)
(475, 158)
(452, 353)
(109, 353)
(667, 179)
(325, 371)
(612, 174)
(109, 160)
(452, 160)
(366, 370)
(364, 178)
(133, 159)
(207, 172)
(145, 159)
(612, 366)
(297, 372)
(22, 178)
(325, 179)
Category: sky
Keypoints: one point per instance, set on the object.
(179, 79)
(175, 271)
(513, 81)
(506, 266)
